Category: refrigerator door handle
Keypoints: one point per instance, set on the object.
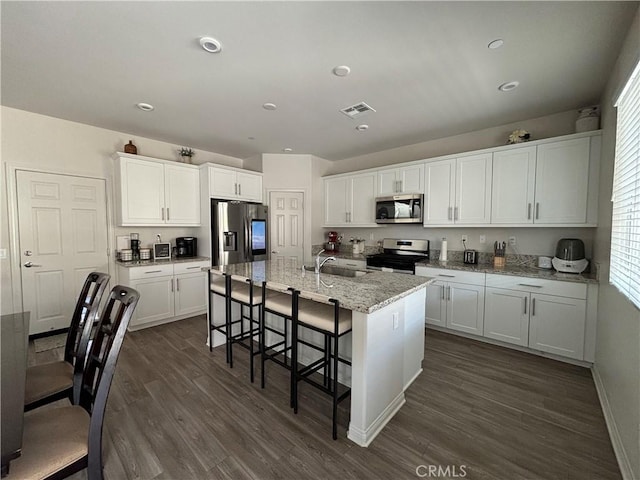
(247, 240)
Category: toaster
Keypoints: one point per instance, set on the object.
(470, 257)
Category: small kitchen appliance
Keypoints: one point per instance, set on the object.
(135, 245)
(570, 256)
(399, 256)
(470, 257)
(333, 242)
(405, 208)
(187, 247)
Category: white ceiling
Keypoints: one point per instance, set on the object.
(424, 66)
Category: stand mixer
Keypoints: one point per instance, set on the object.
(333, 242)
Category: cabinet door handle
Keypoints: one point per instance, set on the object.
(346, 217)
(442, 287)
(172, 284)
(235, 188)
(239, 189)
(449, 293)
(533, 307)
(177, 284)
(537, 210)
(449, 214)
(528, 211)
(525, 304)
(167, 213)
(529, 285)
(455, 213)
(162, 213)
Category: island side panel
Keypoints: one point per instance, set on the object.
(377, 376)
(414, 332)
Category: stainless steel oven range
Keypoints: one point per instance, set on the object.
(399, 255)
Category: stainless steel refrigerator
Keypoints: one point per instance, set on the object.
(238, 232)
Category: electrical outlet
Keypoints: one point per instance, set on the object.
(465, 238)
(371, 236)
(483, 239)
(512, 241)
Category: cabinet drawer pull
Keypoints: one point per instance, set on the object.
(191, 268)
(448, 276)
(529, 285)
(154, 271)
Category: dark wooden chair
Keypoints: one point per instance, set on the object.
(61, 441)
(54, 381)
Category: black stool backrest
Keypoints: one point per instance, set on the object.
(101, 364)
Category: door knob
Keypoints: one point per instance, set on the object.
(31, 264)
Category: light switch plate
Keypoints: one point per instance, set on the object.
(3, 253)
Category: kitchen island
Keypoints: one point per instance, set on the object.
(386, 345)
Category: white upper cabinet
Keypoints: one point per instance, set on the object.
(232, 184)
(401, 180)
(562, 179)
(155, 192)
(513, 186)
(458, 191)
(349, 200)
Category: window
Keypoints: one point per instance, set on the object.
(625, 227)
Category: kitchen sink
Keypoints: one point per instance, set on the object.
(337, 270)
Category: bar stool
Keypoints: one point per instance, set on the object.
(277, 299)
(322, 314)
(240, 290)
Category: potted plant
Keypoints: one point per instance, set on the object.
(186, 154)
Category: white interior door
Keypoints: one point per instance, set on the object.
(62, 222)
(286, 219)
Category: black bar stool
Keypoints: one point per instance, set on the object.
(241, 290)
(277, 299)
(322, 314)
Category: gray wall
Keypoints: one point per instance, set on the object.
(617, 364)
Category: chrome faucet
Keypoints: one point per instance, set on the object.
(319, 264)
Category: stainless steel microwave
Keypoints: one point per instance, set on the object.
(399, 208)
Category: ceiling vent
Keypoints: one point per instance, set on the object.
(357, 110)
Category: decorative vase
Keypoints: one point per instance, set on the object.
(130, 148)
(186, 159)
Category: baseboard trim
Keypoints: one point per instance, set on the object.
(614, 435)
(365, 437)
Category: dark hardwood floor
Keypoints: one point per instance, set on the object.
(177, 411)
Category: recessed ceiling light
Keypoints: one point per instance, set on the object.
(269, 106)
(251, 138)
(506, 87)
(288, 150)
(145, 107)
(362, 128)
(341, 71)
(497, 43)
(210, 44)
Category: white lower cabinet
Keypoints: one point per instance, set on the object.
(524, 312)
(455, 300)
(167, 292)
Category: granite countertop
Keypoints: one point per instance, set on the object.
(171, 261)
(515, 270)
(366, 293)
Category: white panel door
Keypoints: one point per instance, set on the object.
(156, 299)
(513, 184)
(388, 182)
(411, 179)
(190, 293)
(142, 192)
(473, 189)
(557, 325)
(249, 186)
(286, 221)
(62, 222)
(335, 201)
(436, 306)
(182, 195)
(465, 307)
(562, 180)
(440, 192)
(222, 183)
(362, 204)
(506, 316)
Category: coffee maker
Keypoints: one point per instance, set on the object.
(333, 242)
(186, 247)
